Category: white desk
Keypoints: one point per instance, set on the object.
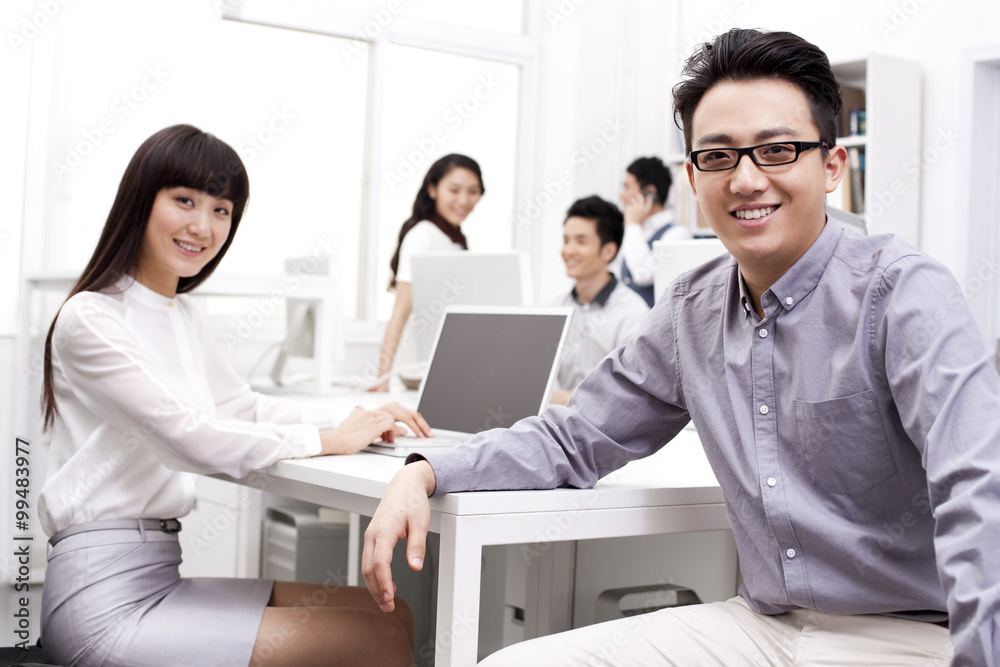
(673, 491)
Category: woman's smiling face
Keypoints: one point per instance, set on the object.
(186, 230)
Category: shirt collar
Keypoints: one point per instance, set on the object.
(803, 276)
(139, 293)
(602, 296)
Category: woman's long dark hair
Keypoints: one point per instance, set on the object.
(424, 208)
(180, 155)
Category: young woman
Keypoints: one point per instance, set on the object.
(136, 399)
(451, 189)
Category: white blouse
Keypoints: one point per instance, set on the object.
(145, 400)
(424, 237)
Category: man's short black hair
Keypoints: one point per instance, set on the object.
(651, 171)
(608, 220)
(745, 55)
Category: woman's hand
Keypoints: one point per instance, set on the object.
(360, 430)
(411, 418)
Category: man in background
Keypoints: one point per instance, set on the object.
(606, 313)
(644, 195)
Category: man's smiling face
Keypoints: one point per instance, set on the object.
(767, 217)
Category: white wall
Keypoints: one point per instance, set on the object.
(15, 72)
(605, 101)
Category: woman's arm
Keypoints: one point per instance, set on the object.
(394, 332)
(110, 373)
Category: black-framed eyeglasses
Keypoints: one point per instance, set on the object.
(764, 155)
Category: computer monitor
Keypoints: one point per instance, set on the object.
(313, 323)
(674, 257)
(464, 279)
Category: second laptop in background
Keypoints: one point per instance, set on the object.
(464, 279)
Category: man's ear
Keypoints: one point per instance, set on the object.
(608, 251)
(836, 167)
(689, 168)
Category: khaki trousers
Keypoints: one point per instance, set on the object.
(730, 634)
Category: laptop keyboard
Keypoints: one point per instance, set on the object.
(436, 441)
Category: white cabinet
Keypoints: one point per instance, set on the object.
(221, 536)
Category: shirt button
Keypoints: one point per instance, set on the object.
(789, 300)
(171, 304)
(771, 481)
(763, 409)
(790, 553)
(762, 333)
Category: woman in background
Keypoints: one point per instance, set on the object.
(137, 399)
(451, 189)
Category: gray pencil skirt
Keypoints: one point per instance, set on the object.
(115, 598)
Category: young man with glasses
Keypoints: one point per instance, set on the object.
(842, 393)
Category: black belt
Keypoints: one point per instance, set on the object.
(162, 525)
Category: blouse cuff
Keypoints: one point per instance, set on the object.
(320, 415)
(302, 441)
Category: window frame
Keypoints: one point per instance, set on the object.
(521, 50)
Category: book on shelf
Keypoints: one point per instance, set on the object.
(850, 192)
(852, 114)
(856, 164)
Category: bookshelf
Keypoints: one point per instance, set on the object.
(885, 198)
(882, 187)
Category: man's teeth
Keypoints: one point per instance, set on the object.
(188, 246)
(754, 213)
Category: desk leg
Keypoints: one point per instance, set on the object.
(354, 544)
(459, 578)
(549, 594)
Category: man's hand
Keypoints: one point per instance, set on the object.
(360, 430)
(403, 513)
(638, 208)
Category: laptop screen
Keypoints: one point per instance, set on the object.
(491, 369)
(464, 279)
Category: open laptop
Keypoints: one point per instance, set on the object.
(490, 367)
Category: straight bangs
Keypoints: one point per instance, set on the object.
(203, 162)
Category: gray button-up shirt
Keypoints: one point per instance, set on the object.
(855, 431)
(598, 327)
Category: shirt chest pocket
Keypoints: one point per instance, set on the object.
(844, 443)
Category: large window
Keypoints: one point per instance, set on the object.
(331, 106)
(438, 103)
(442, 76)
(285, 100)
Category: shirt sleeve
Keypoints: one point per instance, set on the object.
(110, 374)
(236, 400)
(618, 414)
(418, 240)
(947, 393)
(637, 255)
